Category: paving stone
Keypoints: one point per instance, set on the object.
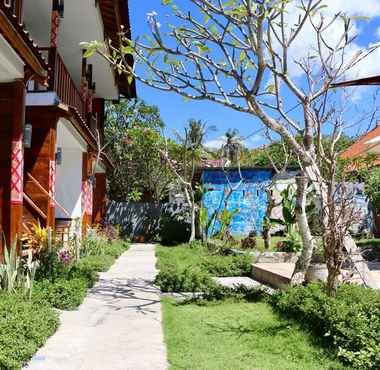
(118, 326)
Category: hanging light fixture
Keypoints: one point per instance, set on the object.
(58, 156)
(28, 136)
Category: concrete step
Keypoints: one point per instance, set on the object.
(276, 275)
(239, 281)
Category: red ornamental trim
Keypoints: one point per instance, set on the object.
(54, 28)
(87, 194)
(84, 195)
(52, 178)
(17, 172)
(89, 198)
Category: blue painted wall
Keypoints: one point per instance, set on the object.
(249, 197)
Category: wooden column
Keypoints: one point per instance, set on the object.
(87, 193)
(100, 198)
(40, 163)
(12, 118)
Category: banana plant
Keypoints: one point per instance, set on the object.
(225, 219)
(288, 204)
(204, 222)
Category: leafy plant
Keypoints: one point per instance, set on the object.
(204, 222)
(37, 238)
(30, 267)
(24, 327)
(51, 267)
(10, 270)
(372, 188)
(288, 205)
(94, 244)
(291, 244)
(225, 218)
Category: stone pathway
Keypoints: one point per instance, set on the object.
(118, 326)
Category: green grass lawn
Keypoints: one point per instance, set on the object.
(233, 335)
(181, 256)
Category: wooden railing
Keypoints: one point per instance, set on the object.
(60, 81)
(16, 7)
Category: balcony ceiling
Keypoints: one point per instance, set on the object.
(82, 22)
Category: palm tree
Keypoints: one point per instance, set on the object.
(231, 150)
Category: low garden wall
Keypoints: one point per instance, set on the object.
(150, 221)
(270, 257)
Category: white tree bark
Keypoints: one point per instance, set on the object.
(308, 243)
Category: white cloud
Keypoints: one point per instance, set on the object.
(250, 142)
(369, 8)
(305, 44)
(378, 32)
(216, 143)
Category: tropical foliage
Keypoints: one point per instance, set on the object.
(134, 138)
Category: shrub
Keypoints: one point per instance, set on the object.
(62, 294)
(174, 225)
(227, 265)
(94, 244)
(91, 264)
(116, 248)
(350, 322)
(111, 232)
(51, 266)
(24, 327)
(191, 279)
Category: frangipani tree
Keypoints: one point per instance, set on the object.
(252, 56)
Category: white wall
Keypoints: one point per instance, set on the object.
(11, 66)
(69, 183)
(82, 22)
(69, 173)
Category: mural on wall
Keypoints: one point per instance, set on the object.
(249, 197)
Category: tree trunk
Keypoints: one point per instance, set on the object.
(333, 252)
(308, 243)
(189, 194)
(334, 271)
(267, 236)
(267, 225)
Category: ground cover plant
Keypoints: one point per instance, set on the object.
(24, 327)
(64, 286)
(350, 323)
(234, 335)
(190, 267)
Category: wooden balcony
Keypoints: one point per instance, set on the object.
(15, 7)
(61, 82)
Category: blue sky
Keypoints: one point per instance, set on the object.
(175, 111)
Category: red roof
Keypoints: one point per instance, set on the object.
(359, 148)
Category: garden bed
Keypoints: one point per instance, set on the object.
(25, 324)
